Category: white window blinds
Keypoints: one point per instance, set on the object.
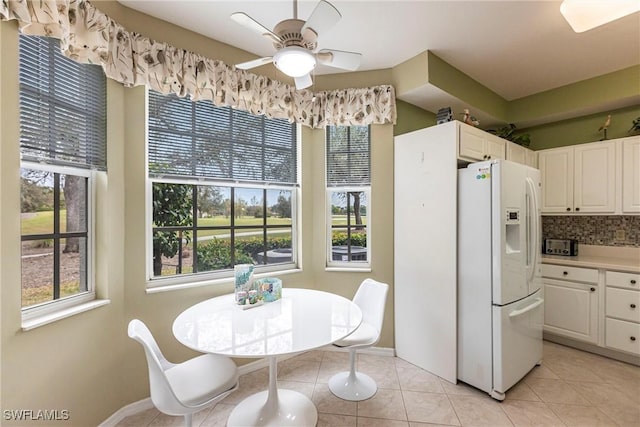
(200, 140)
(62, 107)
(348, 156)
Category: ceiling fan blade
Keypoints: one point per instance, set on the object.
(250, 23)
(254, 63)
(323, 17)
(303, 82)
(339, 59)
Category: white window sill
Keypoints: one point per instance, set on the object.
(349, 269)
(152, 289)
(45, 319)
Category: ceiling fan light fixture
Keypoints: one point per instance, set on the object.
(294, 61)
(584, 15)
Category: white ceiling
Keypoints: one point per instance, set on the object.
(516, 48)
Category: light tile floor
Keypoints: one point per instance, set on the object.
(571, 388)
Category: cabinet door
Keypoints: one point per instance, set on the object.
(516, 153)
(556, 170)
(594, 178)
(631, 175)
(494, 147)
(472, 143)
(571, 309)
(531, 158)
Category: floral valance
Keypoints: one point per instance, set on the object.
(88, 35)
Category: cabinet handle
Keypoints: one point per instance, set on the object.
(632, 338)
(484, 157)
(564, 273)
(568, 209)
(577, 209)
(633, 282)
(632, 306)
(488, 157)
(593, 289)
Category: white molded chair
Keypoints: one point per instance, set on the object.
(187, 387)
(351, 385)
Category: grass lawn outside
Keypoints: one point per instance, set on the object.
(41, 222)
(40, 294)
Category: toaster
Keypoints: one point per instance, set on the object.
(567, 247)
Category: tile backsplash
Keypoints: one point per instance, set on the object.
(594, 230)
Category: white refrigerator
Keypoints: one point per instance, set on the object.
(500, 301)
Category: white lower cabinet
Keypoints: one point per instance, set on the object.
(622, 323)
(595, 306)
(571, 309)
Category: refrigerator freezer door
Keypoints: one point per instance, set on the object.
(517, 341)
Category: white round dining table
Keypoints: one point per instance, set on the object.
(301, 320)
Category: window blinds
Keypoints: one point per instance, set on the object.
(200, 140)
(348, 156)
(62, 106)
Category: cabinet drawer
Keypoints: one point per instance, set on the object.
(623, 304)
(623, 335)
(623, 280)
(577, 274)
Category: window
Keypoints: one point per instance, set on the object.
(348, 196)
(62, 143)
(223, 185)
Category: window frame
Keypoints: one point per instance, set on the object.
(218, 275)
(330, 264)
(156, 284)
(57, 305)
(347, 265)
(87, 162)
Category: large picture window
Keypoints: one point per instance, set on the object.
(223, 185)
(62, 143)
(348, 175)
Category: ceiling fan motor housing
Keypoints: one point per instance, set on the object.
(290, 33)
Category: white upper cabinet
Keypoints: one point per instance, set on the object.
(556, 170)
(595, 177)
(631, 175)
(519, 154)
(516, 153)
(579, 179)
(477, 145)
(532, 158)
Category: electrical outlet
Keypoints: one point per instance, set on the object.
(619, 235)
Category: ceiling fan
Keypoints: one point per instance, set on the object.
(295, 41)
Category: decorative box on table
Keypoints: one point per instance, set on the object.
(270, 288)
(243, 280)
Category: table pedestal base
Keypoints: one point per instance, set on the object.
(274, 407)
(289, 409)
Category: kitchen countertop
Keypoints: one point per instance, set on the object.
(605, 257)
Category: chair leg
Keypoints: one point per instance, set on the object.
(188, 420)
(352, 385)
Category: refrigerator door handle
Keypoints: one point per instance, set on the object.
(530, 307)
(532, 228)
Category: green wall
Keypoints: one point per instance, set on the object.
(460, 85)
(586, 95)
(578, 130)
(601, 90)
(411, 118)
(582, 129)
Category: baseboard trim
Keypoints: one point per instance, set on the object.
(127, 411)
(144, 404)
(592, 348)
